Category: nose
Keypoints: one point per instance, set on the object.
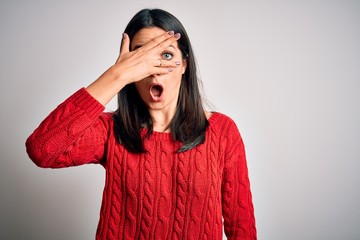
(155, 77)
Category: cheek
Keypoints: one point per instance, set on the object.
(141, 87)
(177, 74)
(175, 82)
(179, 71)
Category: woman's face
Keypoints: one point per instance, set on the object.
(160, 92)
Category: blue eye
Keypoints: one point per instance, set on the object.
(167, 56)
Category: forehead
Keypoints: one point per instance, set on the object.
(144, 35)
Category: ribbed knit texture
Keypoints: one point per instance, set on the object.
(158, 195)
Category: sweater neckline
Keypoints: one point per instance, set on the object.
(167, 135)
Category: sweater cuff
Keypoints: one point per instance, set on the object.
(83, 100)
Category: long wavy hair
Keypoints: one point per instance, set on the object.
(189, 123)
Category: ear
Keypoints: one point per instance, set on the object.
(184, 65)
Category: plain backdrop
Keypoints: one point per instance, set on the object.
(287, 72)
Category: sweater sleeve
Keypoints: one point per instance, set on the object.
(238, 211)
(72, 134)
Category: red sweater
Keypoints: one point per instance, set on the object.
(160, 194)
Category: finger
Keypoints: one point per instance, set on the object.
(165, 63)
(161, 70)
(166, 43)
(154, 71)
(160, 40)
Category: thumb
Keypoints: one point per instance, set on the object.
(125, 45)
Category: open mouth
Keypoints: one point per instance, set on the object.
(156, 91)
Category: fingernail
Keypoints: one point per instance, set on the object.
(177, 63)
(177, 36)
(171, 32)
(170, 69)
(124, 35)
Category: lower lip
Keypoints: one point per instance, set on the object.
(156, 99)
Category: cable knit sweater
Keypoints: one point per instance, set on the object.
(160, 194)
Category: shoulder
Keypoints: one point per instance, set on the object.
(224, 129)
(228, 136)
(104, 125)
(107, 118)
(221, 122)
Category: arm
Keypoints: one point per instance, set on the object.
(238, 211)
(73, 134)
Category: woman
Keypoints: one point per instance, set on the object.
(173, 170)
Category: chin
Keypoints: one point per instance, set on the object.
(156, 105)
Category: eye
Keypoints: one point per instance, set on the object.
(167, 56)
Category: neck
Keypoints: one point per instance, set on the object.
(161, 119)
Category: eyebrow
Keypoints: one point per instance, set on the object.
(140, 45)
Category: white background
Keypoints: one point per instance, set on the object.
(288, 73)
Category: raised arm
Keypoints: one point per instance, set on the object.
(76, 131)
(72, 134)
